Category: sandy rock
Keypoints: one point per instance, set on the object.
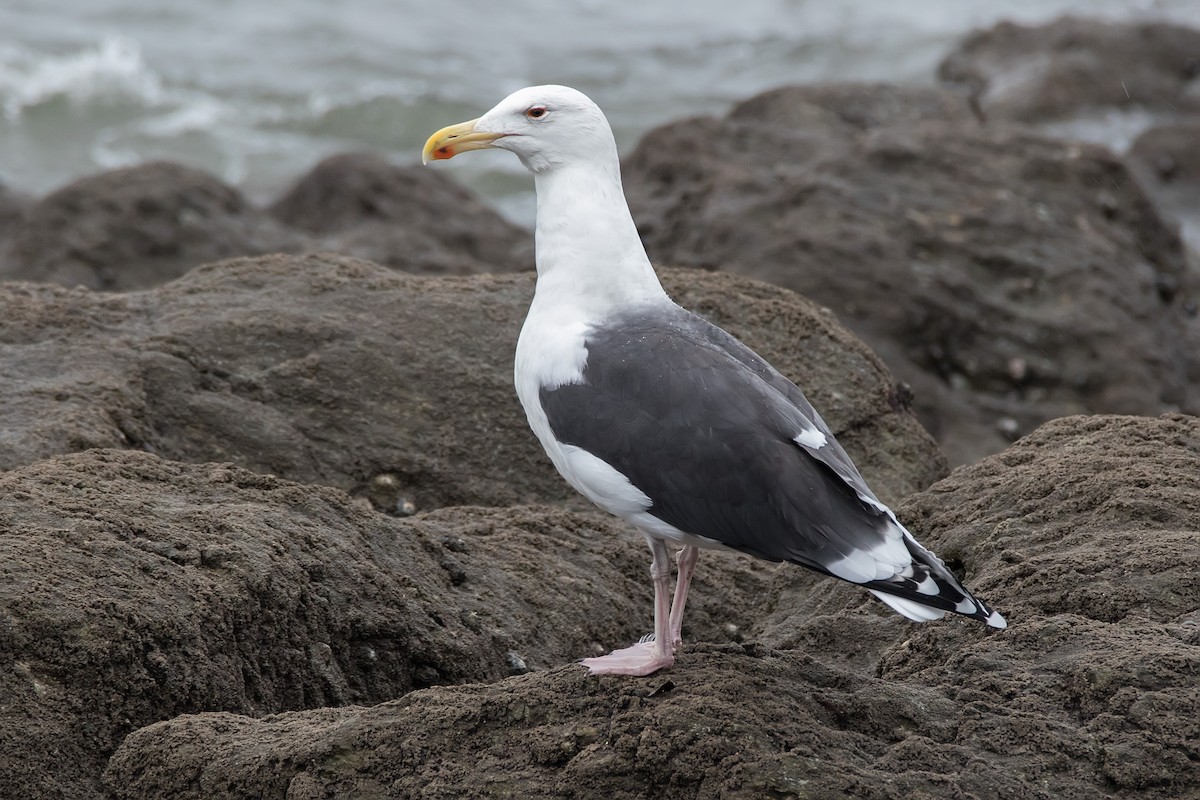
(1072, 65)
(1007, 277)
(738, 723)
(339, 372)
(410, 218)
(1084, 533)
(1088, 516)
(137, 227)
(135, 589)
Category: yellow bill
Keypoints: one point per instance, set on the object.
(455, 139)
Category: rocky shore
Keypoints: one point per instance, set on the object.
(274, 525)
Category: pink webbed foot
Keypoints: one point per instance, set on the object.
(643, 658)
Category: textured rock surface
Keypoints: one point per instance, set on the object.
(1008, 277)
(1085, 533)
(137, 227)
(137, 588)
(1072, 65)
(340, 372)
(143, 226)
(410, 218)
(133, 589)
(174, 626)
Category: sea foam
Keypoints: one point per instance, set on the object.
(113, 66)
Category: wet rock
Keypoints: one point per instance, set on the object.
(334, 371)
(516, 664)
(13, 207)
(1072, 65)
(955, 250)
(409, 218)
(383, 491)
(736, 724)
(1084, 533)
(1167, 161)
(137, 227)
(144, 226)
(135, 589)
(1088, 516)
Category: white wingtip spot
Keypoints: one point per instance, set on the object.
(811, 438)
(929, 586)
(997, 621)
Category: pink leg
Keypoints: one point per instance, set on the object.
(645, 657)
(687, 559)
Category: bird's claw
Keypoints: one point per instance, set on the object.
(643, 658)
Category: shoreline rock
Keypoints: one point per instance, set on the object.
(408, 218)
(136, 589)
(201, 600)
(135, 227)
(333, 371)
(1073, 65)
(1085, 533)
(1007, 277)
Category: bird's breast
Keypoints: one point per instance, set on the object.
(551, 352)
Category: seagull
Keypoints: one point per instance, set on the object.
(664, 419)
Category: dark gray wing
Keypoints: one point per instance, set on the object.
(831, 455)
(706, 429)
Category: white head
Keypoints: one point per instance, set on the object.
(548, 127)
(589, 254)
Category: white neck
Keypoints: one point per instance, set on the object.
(588, 249)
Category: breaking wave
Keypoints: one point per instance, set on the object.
(256, 96)
(112, 68)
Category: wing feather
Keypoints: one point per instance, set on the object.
(725, 447)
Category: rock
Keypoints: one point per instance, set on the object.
(137, 227)
(955, 250)
(739, 724)
(333, 371)
(1167, 161)
(410, 218)
(143, 226)
(1088, 516)
(1085, 533)
(135, 589)
(1072, 65)
(13, 208)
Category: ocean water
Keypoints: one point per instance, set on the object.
(256, 92)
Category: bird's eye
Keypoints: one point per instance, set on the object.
(535, 112)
